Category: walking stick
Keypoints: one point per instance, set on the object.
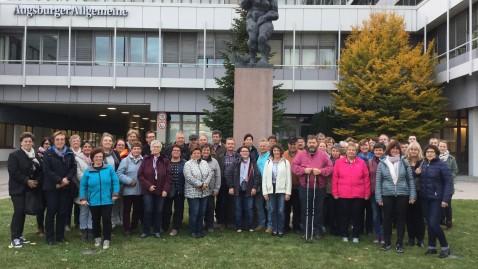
(313, 206)
(307, 210)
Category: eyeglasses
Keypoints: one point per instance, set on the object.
(244, 151)
(430, 151)
(175, 150)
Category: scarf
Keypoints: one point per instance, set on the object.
(444, 156)
(393, 164)
(31, 155)
(84, 158)
(111, 153)
(60, 153)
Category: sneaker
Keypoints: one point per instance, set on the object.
(173, 232)
(106, 244)
(345, 239)
(239, 230)
(23, 240)
(431, 251)
(269, 230)
(280, 234)
(260, 227)
(157, 235)
(143, 235)
(274, 233)
(251, 230)
(444, 253)
(377, 239)
(386, 247)
(97, 241)
(41, 232)
(420, 244)
(16, 243)
(355, 240)
(399, 248)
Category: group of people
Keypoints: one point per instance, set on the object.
(324, 184)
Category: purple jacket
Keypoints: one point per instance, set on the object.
(146, 174)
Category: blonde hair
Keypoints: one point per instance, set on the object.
(75, 136)
(417, 146)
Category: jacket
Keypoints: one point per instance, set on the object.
(261, 161)
(436, 181)
(283, 180)
(127, 171)
(350, 180)
(185, 152)
(219, 151)
(254, 154)
(226, 172)
(372, 165)
(146, 174)
(295, 178)
(81, 166)
(254, 179)
(181, 180)
(318, 160)
(99, 185)
(405, 182)
(215, 183)
(55, 168)
(197, 173)
(20, 169)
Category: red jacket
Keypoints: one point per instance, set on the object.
(146, 174)
(320, 160)
(350, 180)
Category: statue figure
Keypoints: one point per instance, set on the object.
(260, 14)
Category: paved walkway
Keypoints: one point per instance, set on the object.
(465, 188)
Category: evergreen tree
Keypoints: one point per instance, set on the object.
(222, 117)
(386, 85)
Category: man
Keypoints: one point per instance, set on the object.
(411, 139)
(202, 140)
(383, 138)
(224, 203)
(294, 202)
(259, 199)
(193, 141)
(272, 139)
(311, 166)
(404, 147)
(433, 141)
(300, 143)
(320, 138)
(218, 149)
(146, 149)
(180, 139)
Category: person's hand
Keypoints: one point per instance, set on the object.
(366, 198)
(65, 182)
(418, 170)
(204, 186)
(152, 188)
(443, 204)
(133, 182)
(411, 201)
(214, 193)
(316, 171)
(84, 202)
(336, 197)
(380, 203)
(231, 191)
(32, 183)
(308, 170)
(287, 197)
(266, 197)
(164, 194)
(114, 198)
(253, 192)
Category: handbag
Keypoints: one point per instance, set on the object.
(33, 202)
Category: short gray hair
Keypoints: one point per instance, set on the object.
(156, 142)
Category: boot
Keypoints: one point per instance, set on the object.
(84, 234)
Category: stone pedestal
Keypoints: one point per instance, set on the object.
(252, 103)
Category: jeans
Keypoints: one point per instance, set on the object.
(415, 221)
(315, 209)
(244, 205)
(447, 213)
(209, 215)
(377, 217)
(433, 213)
(56, 208)
(350, 210)
(261, 215)
(276, 206)
(153, 208)
(394, 206)
(292, 205)
(117, 211)
(18, 218)
(102, 215)
(86, 221)
(178, 201)
(134, 202)
(197, 209)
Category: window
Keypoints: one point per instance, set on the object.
(102, 49)
(189, 124)
(276, 50)
(120, 49)
(15, 48)
(188, 49)
(173, 127)
(152, 49)
(327, 57)
(50, 47)
(171, 49)
(63, 47)
(6, 135)
(209, 48)
(2, 48)
(33, 46)
(136, 50)
(84, 48)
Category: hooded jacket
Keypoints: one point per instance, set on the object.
(99, 185)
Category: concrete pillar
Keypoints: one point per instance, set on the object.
(472, 142)
(252, 103)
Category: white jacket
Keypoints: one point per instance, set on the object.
(283, 181)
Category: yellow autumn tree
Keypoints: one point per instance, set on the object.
(386, 85)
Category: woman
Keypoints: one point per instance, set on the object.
(154, 174)
(323, 148)
(214, 185)
(372, 164)
(365, 154)
(198, 175)
(132, 135)
(248, 142)
(451, 161)
(243, 185)
(394, 191)
(351, 187)
(128, 176)
(99, 188)
(176, 193)
(45, 143)
(113, 159)
(24, 175)
(330, 202)
(415, 220)
(121, 149)
(330, 143)
(59, 169)
(436, 187)
(75, 145)
(83, 161)
(277, 187)
(364, 148)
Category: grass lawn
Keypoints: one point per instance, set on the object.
(226, 249)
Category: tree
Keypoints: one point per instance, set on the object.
(386, 85)
(324, 122)
(222, 116)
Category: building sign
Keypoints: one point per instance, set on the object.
(161, 120)
(57, 12)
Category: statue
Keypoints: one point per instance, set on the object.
(260, 14)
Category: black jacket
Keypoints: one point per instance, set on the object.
(254, 177)
(436, 181)
(55, 168)
(146, 150)
(20, 169)
(185, 152)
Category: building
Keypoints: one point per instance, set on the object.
(94, 66)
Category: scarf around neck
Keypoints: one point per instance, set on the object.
(393, 164)
(444, 157)
(31, 155)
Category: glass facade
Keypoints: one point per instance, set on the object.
(189, 124)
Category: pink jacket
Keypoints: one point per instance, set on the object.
(319, 160)
(350, 180)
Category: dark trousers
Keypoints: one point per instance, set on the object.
(197, 208)
(415, 221)
(394, 208)
(135, 202)
(56, 208)
(153, 208)
(41, 216)
(293, 205)
(224, 206)
(331, 214)
(447, 213)
(368, 223)
(350, 211)
(101, 214)
(315, 209)
(209, 215)
(178, 201)
(433, 212)
(73, 208)
(18, 218)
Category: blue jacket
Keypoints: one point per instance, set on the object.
(436, 182)
(384, 185)
(99, 186)
(127, 171)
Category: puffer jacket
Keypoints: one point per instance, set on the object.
(197, 173)
(436, 181)
(405, 183)
(283, 181)
(215, 183)
(99, 185)
(127, 171)
(350, 180)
